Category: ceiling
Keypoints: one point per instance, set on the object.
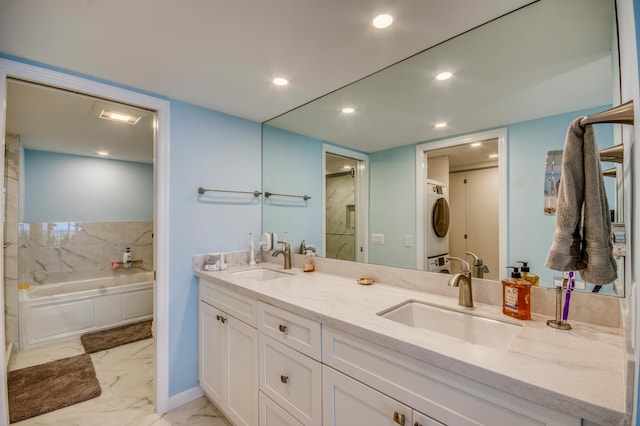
(548, 58)
(223, 54)
(55, 120)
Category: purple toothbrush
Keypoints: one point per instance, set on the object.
(565, 312)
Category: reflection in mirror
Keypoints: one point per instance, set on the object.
(531, 72)
(340, 207)
(467, 177)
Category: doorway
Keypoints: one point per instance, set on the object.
(345, 201)
(12, 69)
(470, 174)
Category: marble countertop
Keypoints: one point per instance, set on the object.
(582, 372)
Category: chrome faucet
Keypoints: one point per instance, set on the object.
(462, 280)
(286, 253)
(479, 268)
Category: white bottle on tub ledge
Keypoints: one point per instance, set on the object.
(126, 258)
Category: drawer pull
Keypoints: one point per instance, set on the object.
(398, 418)
(221, 318)
(282, 328)
(284, 379)
(417, 424)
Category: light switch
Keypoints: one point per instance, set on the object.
(377, 238)
(408, 240)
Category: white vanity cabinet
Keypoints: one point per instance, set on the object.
(390, 388)
(228, 352)
(290, 371)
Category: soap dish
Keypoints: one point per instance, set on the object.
(365, 280)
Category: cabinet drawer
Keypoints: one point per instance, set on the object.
(271, 414)
(444, 396)
(302, 334)
(348, 402)
(241, 307)
(292, 380)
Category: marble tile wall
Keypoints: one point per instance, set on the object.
(10, 259)
(340, 217)
(57, 252)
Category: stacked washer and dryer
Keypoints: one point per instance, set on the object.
(437, 227)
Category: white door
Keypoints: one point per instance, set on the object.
(212, 353)
(242, 373)
(474, 205)
(482, 218)
(457, 209)
(347, 402)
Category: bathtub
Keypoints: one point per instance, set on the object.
(52, 312)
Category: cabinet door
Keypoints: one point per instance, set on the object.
(347, 402)
(271, 414)
(213, 354)
(242, 372)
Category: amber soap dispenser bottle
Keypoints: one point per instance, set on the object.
(516, 296)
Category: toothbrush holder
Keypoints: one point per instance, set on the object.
(558, 323)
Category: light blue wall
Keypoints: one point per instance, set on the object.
(62, 187)
(530, 230)
(210, 149)
(392, 205)
(218, 151)
(292, 164)
(392, 193)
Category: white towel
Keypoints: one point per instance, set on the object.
(582, 240)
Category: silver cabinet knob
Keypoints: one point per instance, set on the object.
(398, 418)
(282, 328)
(284, 379)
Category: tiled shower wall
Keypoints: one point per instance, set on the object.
(57, 252)
(340, 216)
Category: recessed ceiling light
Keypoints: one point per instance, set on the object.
(493, 155)
(446, 75)
(119, 116)
(440, 125)
(347, 167)
(348, 110)
(102, 153)
(476, 144)
(382, 21)
(280, 81)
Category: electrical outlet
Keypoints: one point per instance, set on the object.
(377, 238)
(408, 240)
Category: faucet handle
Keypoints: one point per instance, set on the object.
(465, 264)
(477, 261)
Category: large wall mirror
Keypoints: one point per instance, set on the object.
(516, 84)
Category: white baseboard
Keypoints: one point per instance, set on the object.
(182, 398)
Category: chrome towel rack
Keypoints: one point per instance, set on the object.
(202, 190)
(304, 197)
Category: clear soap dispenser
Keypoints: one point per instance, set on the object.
(527, 275)
(516, 296)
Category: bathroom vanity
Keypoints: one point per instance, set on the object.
(283, 347)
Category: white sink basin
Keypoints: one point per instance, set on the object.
(261, 274)
(469, 327)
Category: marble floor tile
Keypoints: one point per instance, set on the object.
(126, 378)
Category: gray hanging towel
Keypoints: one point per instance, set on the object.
(582, 240)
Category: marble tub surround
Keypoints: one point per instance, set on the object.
(53, 252)
(582, 372)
